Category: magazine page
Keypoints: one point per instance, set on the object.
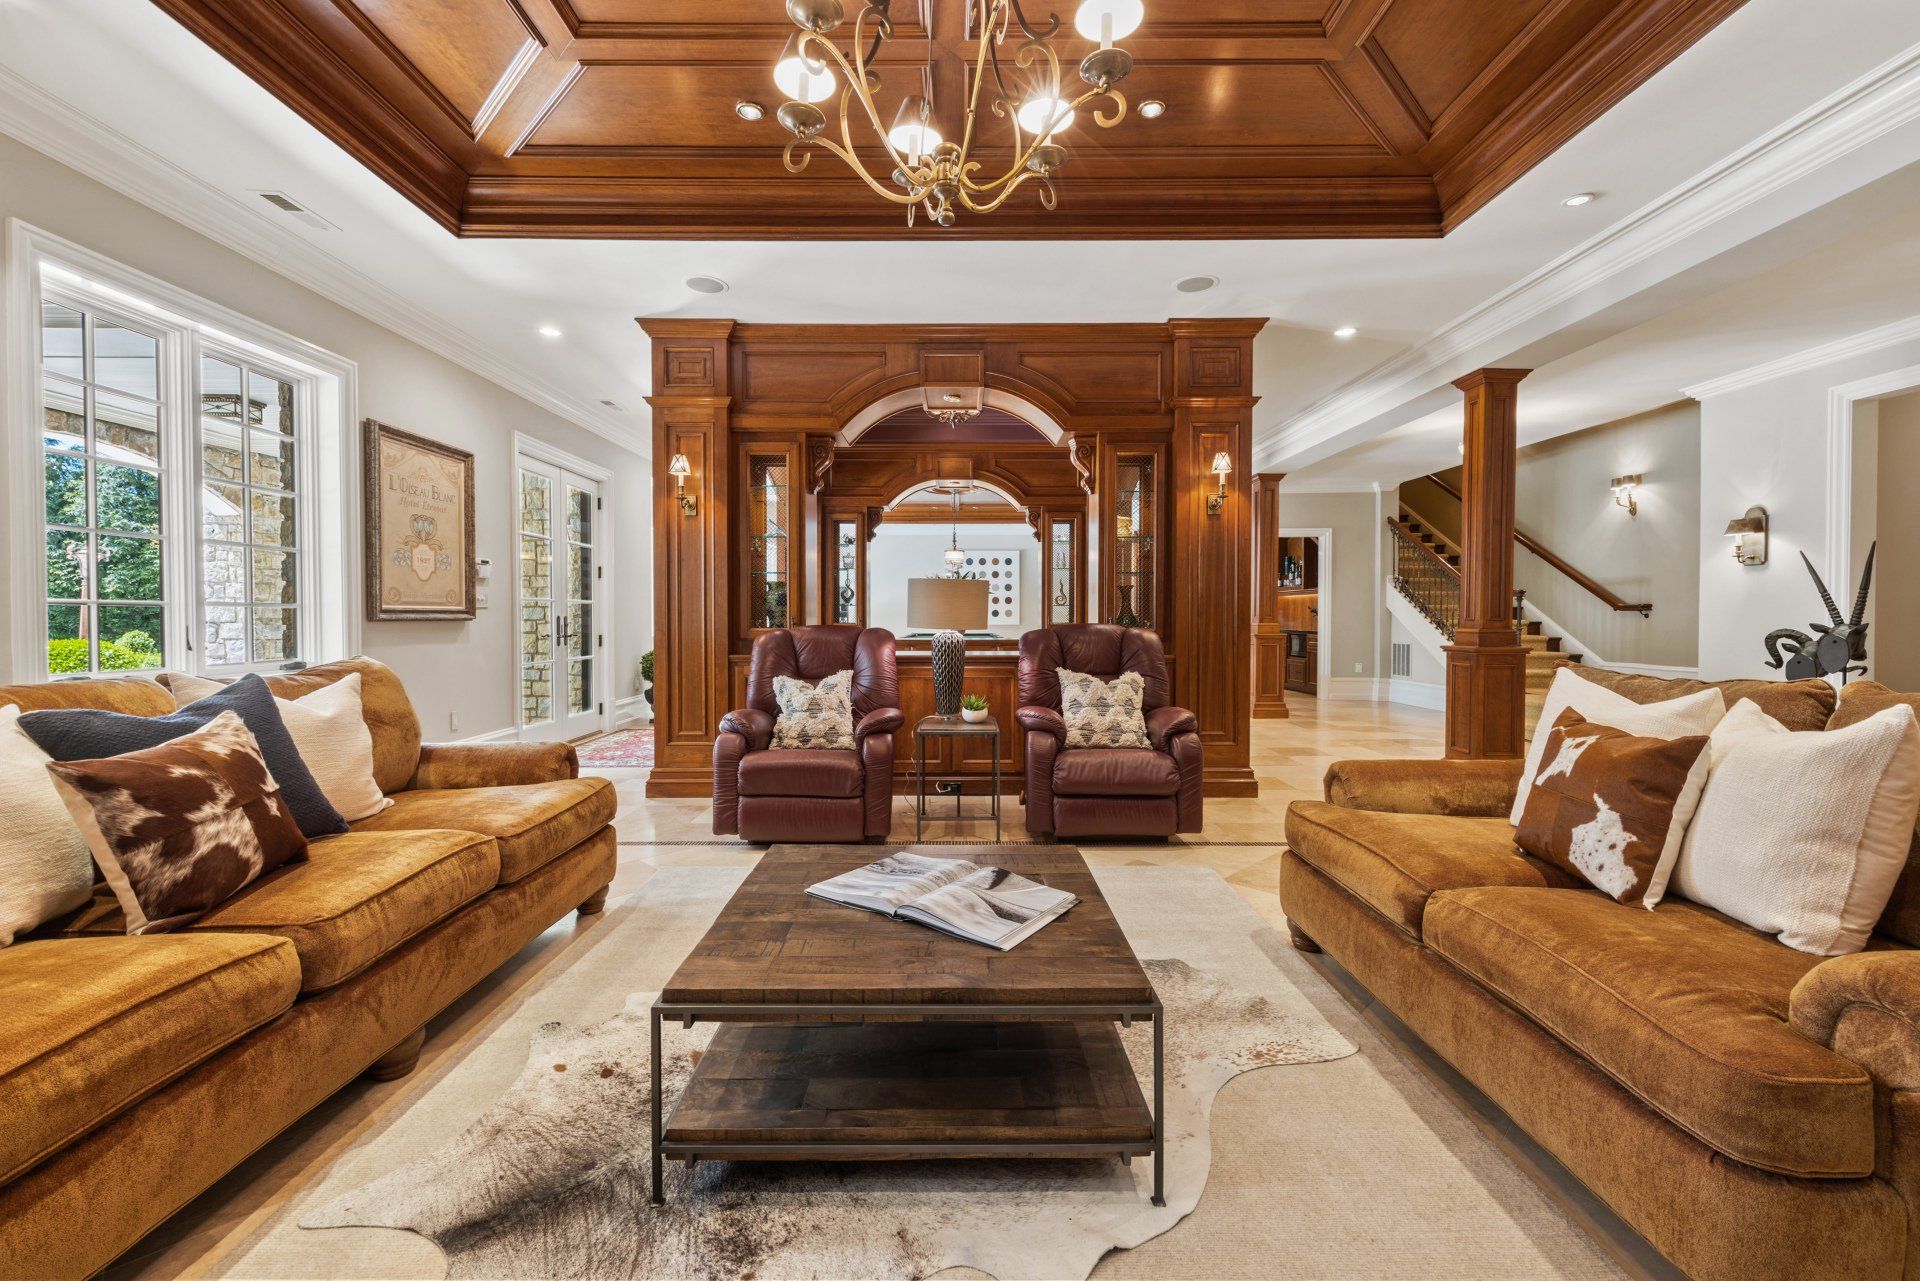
(989, 905)
(896, 880)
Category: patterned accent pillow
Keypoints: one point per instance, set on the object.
(1103, 713)
(814, 715)
(1613, 808)
(180, 828)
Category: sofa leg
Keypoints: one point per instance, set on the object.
(1300, 940)
(596, 902)
(400, 1060)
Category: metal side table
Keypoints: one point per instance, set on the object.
(936, 727)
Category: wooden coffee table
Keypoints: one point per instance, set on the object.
(849, 1036)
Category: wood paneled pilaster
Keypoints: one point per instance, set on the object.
(1269, 637)
(691, 624)
(1486, 665)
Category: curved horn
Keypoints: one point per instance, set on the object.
(1826, 596)
(1866, 585)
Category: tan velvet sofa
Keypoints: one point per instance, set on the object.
(1750, 1109)
(134, 1072)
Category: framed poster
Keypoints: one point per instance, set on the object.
(419, 526)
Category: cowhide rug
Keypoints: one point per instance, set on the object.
(552, 1181)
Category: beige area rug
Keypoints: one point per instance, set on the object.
(1349, 1167)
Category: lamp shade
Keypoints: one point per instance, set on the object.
(947, 604)
(1746, 525)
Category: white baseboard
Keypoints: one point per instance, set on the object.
(1361, 689)
(1409, 693)
(507, 735)
(632, 710)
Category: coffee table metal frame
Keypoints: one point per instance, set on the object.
(689, 1014)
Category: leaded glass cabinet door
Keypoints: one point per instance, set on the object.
(559, 589)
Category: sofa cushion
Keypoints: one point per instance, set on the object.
(1858, 701)
(1114, 771)
(1799, 705)
(534, 823)
(356, 898)
(1681, 1006)
(801, 771)
(1394, 862)
(89, 1026)
(383, 701)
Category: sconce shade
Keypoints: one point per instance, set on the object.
(1619, 483)
(947, 604)
(1746, 525)
(1222, 465)
(679, 466)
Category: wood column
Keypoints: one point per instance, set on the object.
(692, 406)
(1486, 665)
(1269, 640)
(1211, 566)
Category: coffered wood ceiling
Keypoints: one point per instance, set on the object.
(614, 118)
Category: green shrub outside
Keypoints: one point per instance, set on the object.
(134, 651)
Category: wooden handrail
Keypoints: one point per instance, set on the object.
(1607, 598)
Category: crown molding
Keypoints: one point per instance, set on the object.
(83, 143)
(1859, 344)
(1857, 114)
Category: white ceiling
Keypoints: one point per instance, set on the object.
(123, 78)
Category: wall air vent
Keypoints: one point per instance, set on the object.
(294, 209)
(1402, 659)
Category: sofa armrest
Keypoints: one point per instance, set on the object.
(751, 724)
(1165, 722)
(881, 720)
(450, 765)
(1865, 1007)
(1042, 720)
(1482, 789)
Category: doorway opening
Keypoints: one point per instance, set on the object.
(964, 529)
(1302, 588)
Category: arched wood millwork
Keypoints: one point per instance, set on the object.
(1121, 404)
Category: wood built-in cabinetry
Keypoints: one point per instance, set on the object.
(1303, 662)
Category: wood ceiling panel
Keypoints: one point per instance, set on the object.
(614, 118)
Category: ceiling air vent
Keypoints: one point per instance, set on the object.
(294, 209)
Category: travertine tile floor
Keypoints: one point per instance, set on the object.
(1241, 842)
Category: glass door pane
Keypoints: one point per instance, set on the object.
(537, 624)
(1136, 526)
(579, 635)
(769, 513)
(1060, 575)
(846, 571)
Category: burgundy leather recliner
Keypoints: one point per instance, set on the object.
(1106, 791)
(827, 795)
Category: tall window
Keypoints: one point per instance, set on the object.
(106, 596)
(178, 465)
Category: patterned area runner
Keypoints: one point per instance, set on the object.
(622, 749)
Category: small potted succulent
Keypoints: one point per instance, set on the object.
(973, 709)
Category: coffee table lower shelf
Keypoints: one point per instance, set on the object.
(911, 1090)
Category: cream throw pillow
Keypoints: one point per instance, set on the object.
(1675, 718)
(329, 729)
(1803, 835)
(45, 867)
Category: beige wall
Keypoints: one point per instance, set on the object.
(1352, 625)
(464, 668)
(1564, 503)
(1895, 634)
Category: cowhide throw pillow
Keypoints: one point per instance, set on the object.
(814, 715)
(1613, 808)
(179, 828)
(1103, 713)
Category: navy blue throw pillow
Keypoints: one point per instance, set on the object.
(86, 734)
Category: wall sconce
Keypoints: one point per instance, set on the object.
(680, 469)
(1749, 535)
(1623, 495)
(1222, 467)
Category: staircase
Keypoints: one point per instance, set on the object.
(1426, 572)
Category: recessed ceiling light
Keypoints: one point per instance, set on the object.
(549, 331)
(611, 404)
(747, 109)
(1153, 109)
(706, 284)
(1345, 331)
(1196, 284)
(1579, 198)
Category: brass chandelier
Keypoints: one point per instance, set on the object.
(931, 173)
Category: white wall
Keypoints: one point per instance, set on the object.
(1352, 625)
(900, 552)
(468, 668)
(1768, 444)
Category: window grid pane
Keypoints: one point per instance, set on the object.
(248, 509)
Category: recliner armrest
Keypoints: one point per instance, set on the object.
(1475, 789)
(751, 724)
(1165, 722)
(1042, 720)
(881, 720)
(1865, 1007)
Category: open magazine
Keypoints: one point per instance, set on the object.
(980, 904)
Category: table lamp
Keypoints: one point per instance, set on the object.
(947, 607)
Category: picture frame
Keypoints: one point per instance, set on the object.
(418, 532)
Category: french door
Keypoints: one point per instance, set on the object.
(562, 675)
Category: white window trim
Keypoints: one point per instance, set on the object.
(525, 446)
(38, 260)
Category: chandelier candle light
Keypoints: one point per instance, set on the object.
(931, 173)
